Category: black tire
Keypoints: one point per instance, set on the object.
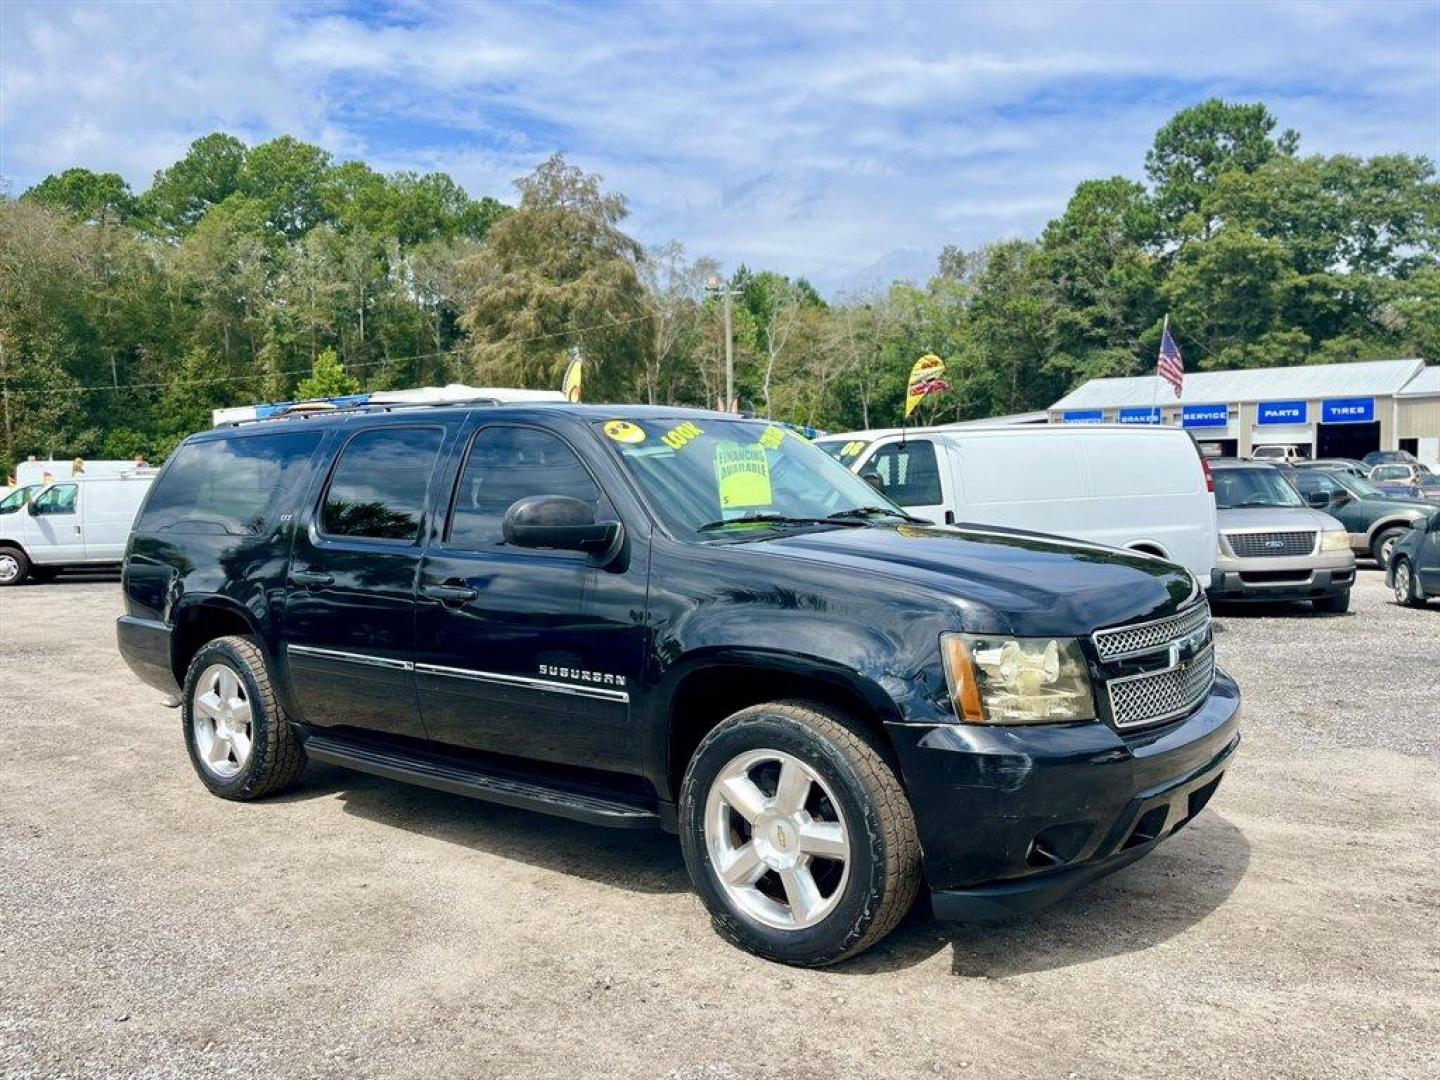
(1382, 542)
(20, 562)
(1405, 590)
(1338, 604)
(884, 867)
(276, 758)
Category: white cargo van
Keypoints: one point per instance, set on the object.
(1143, 488)
(80, 522)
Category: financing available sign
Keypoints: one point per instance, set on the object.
(1282, 412)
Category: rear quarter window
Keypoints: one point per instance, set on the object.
(228, 485)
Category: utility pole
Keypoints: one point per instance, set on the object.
(718, 286)
(5, 393)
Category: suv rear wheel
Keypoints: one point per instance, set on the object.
(240, 741)
(797, 834)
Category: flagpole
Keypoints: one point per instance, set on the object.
(1155, 401)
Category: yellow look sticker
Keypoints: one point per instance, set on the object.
(681, 434)
(742, 476)
(772, 437)
(624, 431)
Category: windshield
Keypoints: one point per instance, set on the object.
(17, 498)
(713, 478)
(1237, 489)
(844, 451)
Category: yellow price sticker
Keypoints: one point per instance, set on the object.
(681, 434)
(742, 476)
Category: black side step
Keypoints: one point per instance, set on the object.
(467, 780)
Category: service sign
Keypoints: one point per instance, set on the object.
(1352, 410)
(1139, 416)
(1083, 416)
(1282, 412)
(1205, 416)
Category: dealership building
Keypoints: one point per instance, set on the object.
(1327, 410)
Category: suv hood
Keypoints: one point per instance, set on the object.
(1275, 518)
(1005, 580)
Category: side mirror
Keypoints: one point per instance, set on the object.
(1318, 499)
(873, 478)
(560, 522)
(1339, 499)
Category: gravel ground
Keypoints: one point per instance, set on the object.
(360, 928)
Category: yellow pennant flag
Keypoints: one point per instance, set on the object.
(570, 385)
(924, 379)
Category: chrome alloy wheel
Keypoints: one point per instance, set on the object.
(777, 839)
(1402, 583)
(9, 567)
(223, 721)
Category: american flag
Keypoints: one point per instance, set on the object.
(1170, 366)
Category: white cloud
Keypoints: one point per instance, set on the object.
(813, 139)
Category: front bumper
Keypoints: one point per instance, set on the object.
(1012, 819)
(1268, 584)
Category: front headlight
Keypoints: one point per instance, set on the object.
(998, 680)
(1334, 540)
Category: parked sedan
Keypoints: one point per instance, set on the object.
(1272, 546)
(1375, 521)
(1414, 572)
(1408, 481)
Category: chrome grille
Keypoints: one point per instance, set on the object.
(1162, 695)
(1271, 545)
(1148, 637)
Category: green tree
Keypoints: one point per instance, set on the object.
(1199, 144)
(205, 177)
(558, 273)
(287, 179)
(101, 198)
(327, 379)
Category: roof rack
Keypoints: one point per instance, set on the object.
(303, 410)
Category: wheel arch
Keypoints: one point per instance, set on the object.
(709, 688)
(203, 619)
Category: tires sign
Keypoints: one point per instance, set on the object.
(1348, 411)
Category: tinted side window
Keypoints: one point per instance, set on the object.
(510, 463)
(909, 474)
(380, 483)
(233, 485)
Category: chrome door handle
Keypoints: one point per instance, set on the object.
(311, 579)
(451, 594)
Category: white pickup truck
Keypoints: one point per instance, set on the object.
(83, 521)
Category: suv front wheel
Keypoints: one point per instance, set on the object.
(240, 741)
(797, 834)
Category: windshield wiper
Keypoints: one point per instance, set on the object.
(875, 511)
(773, 519)
(1255, 504)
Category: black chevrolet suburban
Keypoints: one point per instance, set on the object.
(663, 618)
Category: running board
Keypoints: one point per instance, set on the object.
(464, 780)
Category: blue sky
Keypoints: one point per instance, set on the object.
(839, 141)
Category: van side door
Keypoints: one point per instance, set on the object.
(914, 473)
(54, 531)
(527, 652)
(349, 615)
